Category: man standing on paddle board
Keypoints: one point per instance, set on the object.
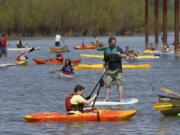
(113, 63)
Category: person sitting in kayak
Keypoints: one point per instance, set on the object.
(22, 57)
(59, 57)
(67, 66)
(132, 54)
(77, 101)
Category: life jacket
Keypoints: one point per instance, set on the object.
(59, 57)
(18, 58)
(67, 68)
(3, 41)
(69, 106)
(111, 55)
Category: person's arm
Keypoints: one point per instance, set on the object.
(121, 53)
(89, 101)
(105, 60)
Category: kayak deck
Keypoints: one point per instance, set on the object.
(100, 66)
(95, 115)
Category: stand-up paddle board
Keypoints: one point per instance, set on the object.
(116, 103)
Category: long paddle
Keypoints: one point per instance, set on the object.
(164, 106)
(88, 97)
(96, 98)
(169, 91)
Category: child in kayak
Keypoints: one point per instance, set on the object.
(22, 57)
(75, 104)
(67, 66)
(59, 57)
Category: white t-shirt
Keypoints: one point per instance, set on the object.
(58, 38)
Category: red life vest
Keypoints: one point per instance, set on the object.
(18, 58)
(3, 41)
(68, 104)
(67, 101)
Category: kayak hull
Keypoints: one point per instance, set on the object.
(95, 115)
(100, 56)
(59, 50)
(80, 47)
(23, 49)
(173, 100)
(54, 61)
(100, 66)
(66, 75)
(22, 62)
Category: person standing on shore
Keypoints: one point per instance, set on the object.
(113, 64)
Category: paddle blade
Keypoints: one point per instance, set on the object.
(162, 106)
(32, 49)
(169, 91)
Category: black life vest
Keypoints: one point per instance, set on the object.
(111, 55)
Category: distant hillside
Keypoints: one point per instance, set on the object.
(76, 17)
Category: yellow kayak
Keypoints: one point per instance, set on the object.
(152, 51)
(101, 56)
(22, 62)
(100, 66)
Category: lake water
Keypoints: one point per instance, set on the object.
(31, 89)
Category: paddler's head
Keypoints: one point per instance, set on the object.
(112, 42)
(79, 90)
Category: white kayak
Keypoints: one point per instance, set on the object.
(117, 103)
(66, 75)
(6, 65)
(22, 49)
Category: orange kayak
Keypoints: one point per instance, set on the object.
(80, 47)
(59, 50)
(54, 61)
(95, 115)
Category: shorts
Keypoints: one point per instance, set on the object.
(57, 43)
(3, 51)
(113, 77)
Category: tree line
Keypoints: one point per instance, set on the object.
(76, 17)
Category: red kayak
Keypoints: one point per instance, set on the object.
(54, 61)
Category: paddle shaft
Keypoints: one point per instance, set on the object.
(98, 83)
(95, 98)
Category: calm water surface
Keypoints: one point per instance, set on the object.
(31, 89)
